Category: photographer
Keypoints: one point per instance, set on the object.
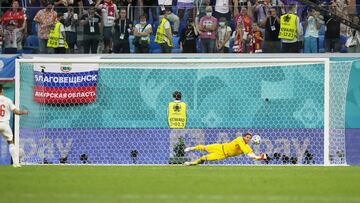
(91, 23)
(71, 20)
(142, 32)
(272, 27)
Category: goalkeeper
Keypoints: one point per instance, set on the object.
(238, 146)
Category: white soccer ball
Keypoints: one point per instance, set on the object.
(256, 139)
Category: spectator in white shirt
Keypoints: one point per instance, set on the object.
(311, 37)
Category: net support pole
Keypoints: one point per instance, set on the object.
(17, 103)
(327, 112)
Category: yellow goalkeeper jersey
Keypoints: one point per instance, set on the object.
(237, 147)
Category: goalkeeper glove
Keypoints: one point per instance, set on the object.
(262, 157)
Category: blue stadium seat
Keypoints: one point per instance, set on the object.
(198, 45)
(321, 44)
(32, 41)
(34, 27)
(154, 47)
(176, 48)
(343, 39)
(154, 25)
(132, 47)
(31, 45)
(231, 45)
(322, 30)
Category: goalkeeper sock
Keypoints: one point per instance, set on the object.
(13, 154)
(199, 148)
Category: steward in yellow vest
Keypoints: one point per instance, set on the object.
(163, 35)
(56, 38)
(290, 31)
(288, 26)
(177, 112)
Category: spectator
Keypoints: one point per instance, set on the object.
(223, 36)
(279, 7)
(131, 6)
(239, 40)
(91, 23)
(151, 5)
(188, 37)
(71, 21)
(222, 9)
(272, 27)
(200, 10)
(167, 5)
(353, 41)
(12, 38)
(256, 39)
(163, 34)
(261, 9)
(207, 27)
(182, 6)
(122, 30)
(61, 5)
(332, 31)
(142, 32)
(45, 19)
(57, 36)
(341, 8)
(108, 14)
(312, 25)
(15, 16)
(245, 18)
(291, 31)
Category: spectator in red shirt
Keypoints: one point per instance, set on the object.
(15, 16)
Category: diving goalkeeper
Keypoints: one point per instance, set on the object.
(238, 146)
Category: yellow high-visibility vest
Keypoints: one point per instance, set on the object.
(160, 34)
(177, 115)
(55, 36)
(288, 26)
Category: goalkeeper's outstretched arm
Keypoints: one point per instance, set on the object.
(255, 157)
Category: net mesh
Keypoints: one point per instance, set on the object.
(127, 124)
(339, 76)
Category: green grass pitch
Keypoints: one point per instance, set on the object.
(148, 184)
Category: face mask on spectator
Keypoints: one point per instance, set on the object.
(142, 22)
(222, 24)
(209, 14)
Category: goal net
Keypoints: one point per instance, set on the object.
(114, 111)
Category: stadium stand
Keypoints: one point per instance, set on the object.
(28, 31)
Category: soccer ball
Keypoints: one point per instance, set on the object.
(256, 139)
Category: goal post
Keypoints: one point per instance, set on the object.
(289, 102)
